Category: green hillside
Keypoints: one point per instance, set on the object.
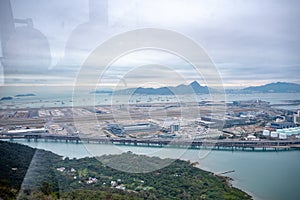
(51, 177)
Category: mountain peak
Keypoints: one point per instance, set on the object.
(195, 83)
(198, 88)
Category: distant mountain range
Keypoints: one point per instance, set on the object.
(279, 87)
(182, 89)
(196, 88)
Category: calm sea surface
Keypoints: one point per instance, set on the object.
(265, 175)
(58, 97)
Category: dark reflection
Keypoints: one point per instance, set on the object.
(24, 48)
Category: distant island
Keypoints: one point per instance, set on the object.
(192, 88)
(54, 177)
(279, 87)
(6, 98)
(17, 95)
(195, 88)
(25, 95)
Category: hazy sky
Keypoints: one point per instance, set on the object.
(251, 42)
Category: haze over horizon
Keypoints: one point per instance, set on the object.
(251, 42)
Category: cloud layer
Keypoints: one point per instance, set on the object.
(251, 42)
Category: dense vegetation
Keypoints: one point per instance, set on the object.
(14, 165)
(51, 177)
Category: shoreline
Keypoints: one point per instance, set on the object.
(236, 184)
(229, 181)
(210, 148)
(214, 161)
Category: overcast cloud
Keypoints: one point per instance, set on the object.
(251, 42)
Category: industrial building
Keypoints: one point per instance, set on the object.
(122, 130)
(266, 133)
(116, 129)
(289, 131)
(280, 125)
(274, 134)
(226, 121)
(283, 133)
(26, 131)
(140, 127)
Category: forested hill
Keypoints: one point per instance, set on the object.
(51, 177)
(19, 160)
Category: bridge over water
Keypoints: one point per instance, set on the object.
(167, 142)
